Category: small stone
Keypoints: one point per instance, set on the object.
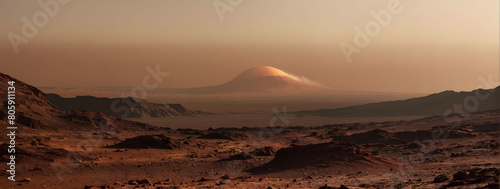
(144, 181)
(441, 178)
(226, 177)
(206, 179)
(133, 182)
(326, 187)
(460, 175)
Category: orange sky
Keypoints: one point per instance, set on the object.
(429, 47)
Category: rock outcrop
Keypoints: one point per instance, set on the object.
(335, 154)
(149, 141)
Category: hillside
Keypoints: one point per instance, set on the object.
(34, 111)
(434, 104)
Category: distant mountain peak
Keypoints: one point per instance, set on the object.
(260, 79)
(263, 71)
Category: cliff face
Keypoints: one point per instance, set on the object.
(120, 107)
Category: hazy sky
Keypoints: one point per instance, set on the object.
(429, 46)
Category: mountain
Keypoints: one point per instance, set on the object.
(257, 79)
(434, 104)
(120, 107)
(31, 105)
(33, 112)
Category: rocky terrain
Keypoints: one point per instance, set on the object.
(82, 149)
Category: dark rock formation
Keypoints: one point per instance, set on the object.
(149, 141)
(120, 107)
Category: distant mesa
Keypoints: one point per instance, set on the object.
(257, 79)
(120, 107)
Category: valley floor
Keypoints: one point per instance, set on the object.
(421, 153)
